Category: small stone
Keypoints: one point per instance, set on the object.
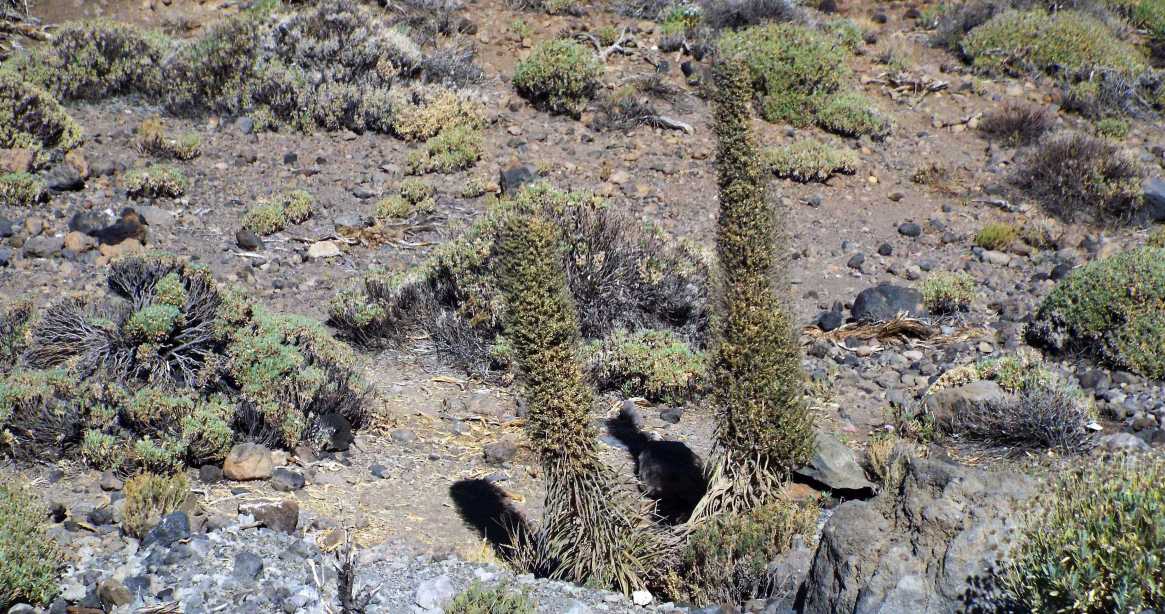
(993, 257)
(323, 249)
(286, 480)
(110, 482)
(856, 261)
(64, 178)
(209, 474)
(113, 593)
(910, 229)
(248, 240)
(282, 516)
(513, 178)
(432, 594)
(671, 415)
(641, 598)
(173, 527)
(500, 452)
(247, 568)
(403, 436)
(248, 461)
(885, 249)
(379, 471)
(78, 242)
(245, 125)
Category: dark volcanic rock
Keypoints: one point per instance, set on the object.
(513, 178)
(885, 301)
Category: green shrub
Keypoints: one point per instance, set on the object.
(945, 293)
(809, 160)
(156, 181)
(1113, 127)
(421, 115)
(852, 114)
(102, 450)
(764, 426)
(149, 497)
(21, 190)
(397, 208)
(1094, 544)
(99, 58)
(1082, 178)
(481, 599)
(166, 455)
(1156, 238)
(559, 75)
(996, 235)
(1036, 41)
(794, 69)
(152, 139)
(30, 118)
(40, 412)
(653, 364)
(726, 560)
(1113, 308)
(30, 558)
(273, 214)
(15, 324)
(453, 149)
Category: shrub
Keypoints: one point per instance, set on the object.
(852, 114)
(1113, 128)
(415, 191)
(737, 14)
(727, 559)
(30, 118)
(559, 75)
(946, 293)
(99, 58)
(764, 428)
(453, 149)
(102, 450)
(273, 214)
(1079, 177)
(996, 235)
(652, 364)
(397, 208)
(21, 190)
(15, 324)
(621, 274)
(808, 160)
(1094, 543)
(152, 139)
(40, 412)
(480, 599)
(1156, 238)
(1110, 308)
(1018, 123)
(149, 497)
(422, 114)
(156, 181)
(31, 558)
(593, 532)
(794, 69)
(1035, 41)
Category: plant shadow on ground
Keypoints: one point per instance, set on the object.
(485, 507)
(670, 472)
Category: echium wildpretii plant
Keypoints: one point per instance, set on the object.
(593, 531)
(764, 428)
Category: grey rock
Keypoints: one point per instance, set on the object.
(403, 436)
(856, 261)
(248, 566)
(949, 402)
(885, 249)
(379, 471)
(834, 466)
(5, 256)
(1154, 200)
(245, 125)
(1122, 441)
(43, 247)
(432, 594)
(282, 516)
(671, 415)
(885, 301)
(209, 474)
(113, 593)
(338, 431)
(248, 240)
(6, 228)
(500, 452)
(64, 178)
(110, 482)
(173, 527)
(21, 608)
(513, 178)
(89, 222)
(993, 257)
(349, 222)
(286, 480)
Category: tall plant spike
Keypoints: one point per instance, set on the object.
(593, 532)
(764, 428)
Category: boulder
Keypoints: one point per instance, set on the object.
(248, 461)
(931, 546)
(323, 249)
(885, 301)
(277, 516)
(433, 593)
(948, 402)
(43, 247)
(173, 527)
(512, 179)
(833, 465)
(1153, 209)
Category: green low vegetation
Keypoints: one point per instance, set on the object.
(149, 497)
(1066, 41)
(852, 114)
(947, 293)
(559, 75)
(996, 235)
(481, 599)
(29, 558)
(453, 149)
(156, 181)
(1113, 308)
(273, 214)
(653, 364)
(1093, 545)
(810, 160)
(21, 190)
(152, 139)
(32, 119)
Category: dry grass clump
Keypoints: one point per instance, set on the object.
(1077, 177)
(996, 235)
(1018, 123)
(152, 139)
(149, 497)
(946, 293)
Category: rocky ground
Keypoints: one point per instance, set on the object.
(444, 446)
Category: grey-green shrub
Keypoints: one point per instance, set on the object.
(654, 364)
(559, 75)
(29, 558)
